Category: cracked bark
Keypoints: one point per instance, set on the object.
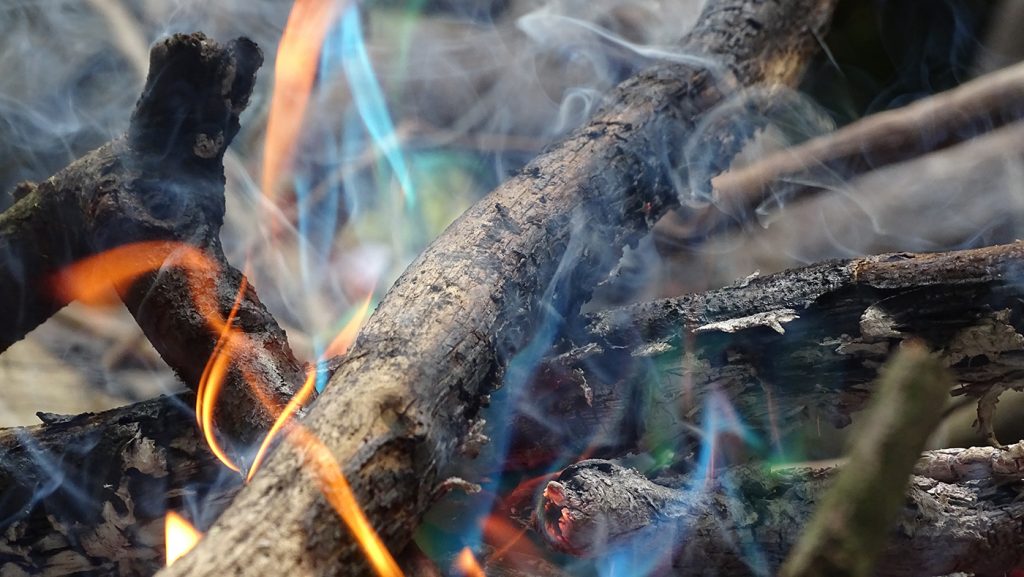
(741, 522)
(397, 412)
(163, 183)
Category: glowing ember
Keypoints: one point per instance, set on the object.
(294, 74)
(467, 564)
(179, 535)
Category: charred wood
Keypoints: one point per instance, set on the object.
(88, 494)
(788, 348)
(163, 182)
(744, 520)
(397, 412)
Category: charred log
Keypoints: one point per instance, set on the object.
(397, 412)
(162, 183)
(743, 521)
(788, 348)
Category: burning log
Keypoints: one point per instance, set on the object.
(741, 521)
(396, 413)
(142, 214)
(934, 123)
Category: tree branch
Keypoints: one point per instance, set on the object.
(404, 402)
(742, 521)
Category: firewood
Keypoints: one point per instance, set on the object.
(162, 183)
(823, 163)
(89, 493)
(958, 197)
(399, 409)
(744, 520)
(849, 528)
(784, 349)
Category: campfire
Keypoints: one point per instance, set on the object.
(509, 289)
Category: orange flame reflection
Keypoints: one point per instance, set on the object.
(294, 74)
(179, 536)
(467, 564)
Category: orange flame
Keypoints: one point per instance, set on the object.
(347, 335)
(212, 380)
(179, 536)
(294, 74)
(339, 494)
(90, 279)
(467, 564)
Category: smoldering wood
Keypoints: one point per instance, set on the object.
(849, 528)
(88, 494)
(744, 520)
(784, 349)
(957, 298)
(163, 181)
(398, 411)
(829, 161)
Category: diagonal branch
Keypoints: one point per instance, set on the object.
(397, 412)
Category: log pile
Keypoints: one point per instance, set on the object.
(496, 302)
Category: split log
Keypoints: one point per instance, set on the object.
(783, 349)
(744, 520)
(405, 401)
(829, 161)
(163, 183)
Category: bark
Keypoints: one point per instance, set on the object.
(745, 520)
(784, 350)
(397, 412)
(959, 197)
(848, 531)
(88, 494)
(930, 296)
(163, 182)
(881, 139)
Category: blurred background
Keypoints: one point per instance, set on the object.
(416, 109)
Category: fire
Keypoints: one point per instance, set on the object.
(339, 494)
(179, 536)
(347, 335)
(467, 564)
(294, 74)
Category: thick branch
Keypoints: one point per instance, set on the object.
(396, 413)
(88, 494)
(745, 520)
(805, 342)
(164, 181)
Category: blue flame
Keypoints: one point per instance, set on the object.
(369, 100)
